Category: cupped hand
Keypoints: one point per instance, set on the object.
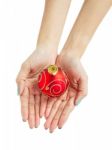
(33, 103)
(59, 111)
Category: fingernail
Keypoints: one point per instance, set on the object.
(78, 102)
(31, 126)
(51, 131)
(36, 126)
(45, 128)
(41, 116)
(23, 120)
(37, 123)
(59, 127)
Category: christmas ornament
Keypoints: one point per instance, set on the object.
(53, 81)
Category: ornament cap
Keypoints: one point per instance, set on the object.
(53, 69)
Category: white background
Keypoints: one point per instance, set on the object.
(90, 125)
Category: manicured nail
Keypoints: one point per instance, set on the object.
(31, 127)
(46, 128)
(78, 102)
(41, 116)
(51, 131)
(24, 120)
(36, 126)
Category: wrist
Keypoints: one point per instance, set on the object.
(46, 47)
(71, 53)
(76, 45)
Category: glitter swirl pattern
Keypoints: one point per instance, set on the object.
(52, 85)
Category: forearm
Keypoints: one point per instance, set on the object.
(90, 16)
(54, 16)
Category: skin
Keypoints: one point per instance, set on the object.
(31, 98)
(90, 16)
(33, 103)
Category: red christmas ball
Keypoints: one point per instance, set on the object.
(53, 81)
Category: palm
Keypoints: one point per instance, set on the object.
(59, 111)
(76, 75)
(35, 64)
(31, 98)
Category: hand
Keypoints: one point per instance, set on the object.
(59, 112)
(33, 103)
(76, 74)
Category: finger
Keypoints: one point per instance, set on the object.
(22, 75)
(65, 114)
(21, 86)
(24, 104)
(50, 103)
(55, 121)
(52, 113)
(37, 106)
(82, 90)
(31, 118)
(43, 104)
(54, 109)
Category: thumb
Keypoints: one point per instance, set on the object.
(82, 90)
(21, 77)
